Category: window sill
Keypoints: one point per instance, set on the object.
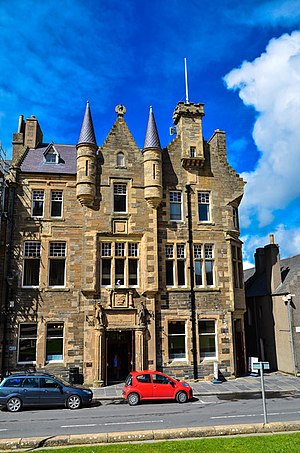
(178, 362)
(208, 359)
(30, 287)
(26, 363)
(57, 289)
(46, 219)
(205, 222)
(187, 289)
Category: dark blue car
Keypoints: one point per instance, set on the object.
(37, 389)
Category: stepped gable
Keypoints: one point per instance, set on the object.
(120, 133)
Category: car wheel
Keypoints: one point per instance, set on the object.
(181, 397)
(73, 402)
(133, 399)
(14, 404)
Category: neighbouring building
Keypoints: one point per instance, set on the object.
(125, 258)
(4, 165)
(272, 320)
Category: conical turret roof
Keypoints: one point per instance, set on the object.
(151, 138)
(87, 134)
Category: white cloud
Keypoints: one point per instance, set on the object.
(287, 238)
(270, 12)
(271, 84)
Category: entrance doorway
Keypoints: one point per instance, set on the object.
(239, 348)
(119, 355)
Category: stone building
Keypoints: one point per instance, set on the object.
(272, 320)
(125, 258)
(4, 165)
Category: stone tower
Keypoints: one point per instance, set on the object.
(152, 164)
(188, 121)
(86, 161)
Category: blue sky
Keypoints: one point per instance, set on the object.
(243, 64)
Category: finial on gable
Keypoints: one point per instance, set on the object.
(120, 110)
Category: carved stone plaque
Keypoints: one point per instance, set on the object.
(120, 226)
(120, 300)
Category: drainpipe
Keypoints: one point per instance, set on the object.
(7, 273)
(288, 300)
(192, 280)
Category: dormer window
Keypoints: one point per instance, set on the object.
(51, 155)
(120, 160)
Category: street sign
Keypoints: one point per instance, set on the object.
(261, 365)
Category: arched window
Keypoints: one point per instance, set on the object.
(120, 160)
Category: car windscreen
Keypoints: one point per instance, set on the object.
(128, 380)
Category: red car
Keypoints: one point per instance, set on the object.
(154, 385)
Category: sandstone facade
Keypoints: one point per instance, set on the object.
(125, 258)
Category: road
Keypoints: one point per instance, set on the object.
(117, 416)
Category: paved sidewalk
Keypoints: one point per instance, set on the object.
(274, 383)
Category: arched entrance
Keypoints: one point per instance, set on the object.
(120, 354)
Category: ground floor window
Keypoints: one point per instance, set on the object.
(176, 337)
(54, 341)
(27, 343)
(207, 339)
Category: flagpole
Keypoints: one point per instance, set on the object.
(186, 82)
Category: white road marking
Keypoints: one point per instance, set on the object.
(204, 402)
(113, 423)
(255, 415)
(132, 423)
(4, 429)
(78, 426)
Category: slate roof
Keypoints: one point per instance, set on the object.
(290, 267)
(34, 160)
(151, 138)
(87, 134)
(256, 285)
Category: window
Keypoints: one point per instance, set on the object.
(57, 263)
(56, 203)
(27, 343)
(176, 340)
(159, 379)
(192, 151)
(175, 206)
(119, 263)
(180, 250)
(106, 263)
(237, 265)
(120, 198)
(120, 160)
(31, 382)
(203, 206)
(235, 218)
(48, 383)
(144, 378)
(13, 382)
(132, 264)
(198, 263)
(37, 203)
(169, 265)
(204, 268)
(207, 339)
(54, 341)
(51, 157)
(175, 265)
(31, 263)
(209, 264)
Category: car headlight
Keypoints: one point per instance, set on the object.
(87, 392)
(184, 384)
